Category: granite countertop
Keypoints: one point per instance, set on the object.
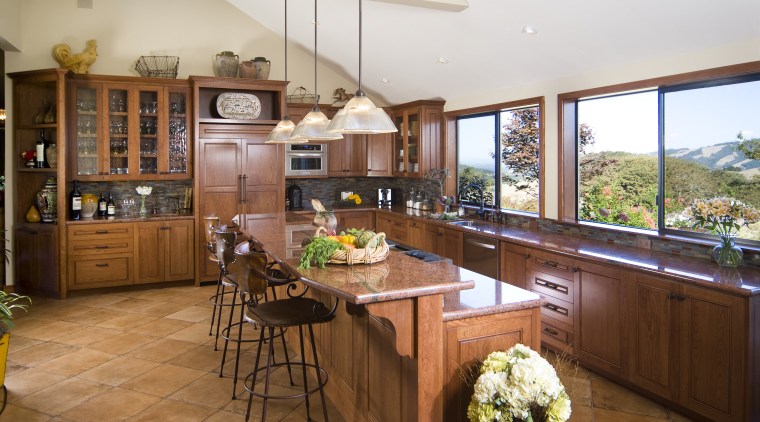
(743, 281)
(130, 219)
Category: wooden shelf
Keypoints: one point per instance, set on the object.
(36, 170)
(39, 126)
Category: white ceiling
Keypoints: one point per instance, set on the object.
(485, 45)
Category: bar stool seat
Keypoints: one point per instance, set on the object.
(294, 311)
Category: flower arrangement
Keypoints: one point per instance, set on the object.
(355, 198)
(143, 191)
(518, 385)
(724, 217)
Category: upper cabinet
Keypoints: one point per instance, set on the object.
(347, 157)
(127, 129)
(380, 155)
(417, 146)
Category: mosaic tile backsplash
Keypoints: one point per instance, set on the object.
(162, 200)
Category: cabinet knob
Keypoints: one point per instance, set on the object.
(165, 228)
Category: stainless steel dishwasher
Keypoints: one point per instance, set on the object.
(481, 254)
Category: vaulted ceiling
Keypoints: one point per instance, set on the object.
(484, 46)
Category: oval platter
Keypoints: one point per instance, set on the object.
(238, 105)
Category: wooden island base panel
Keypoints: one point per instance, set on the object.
(407, 330)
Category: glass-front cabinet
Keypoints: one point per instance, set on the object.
(130, 131)
(418, 144)
(406, 145)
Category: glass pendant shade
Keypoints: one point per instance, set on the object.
(360, 115)
(281, 133)
(313, 128)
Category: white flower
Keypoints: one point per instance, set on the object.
(144, 190)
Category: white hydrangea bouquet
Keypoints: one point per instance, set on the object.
(518, 385)
(143, 191)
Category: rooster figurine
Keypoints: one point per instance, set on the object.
(77, 63)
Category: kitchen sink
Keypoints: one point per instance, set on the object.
(474, 224)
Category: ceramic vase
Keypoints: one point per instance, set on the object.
(727, 254)
(226, 64)
(262, 66)
(47, 201)
(247, 70)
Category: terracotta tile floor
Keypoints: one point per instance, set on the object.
(145, 355)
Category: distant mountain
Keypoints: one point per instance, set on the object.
(719, 157)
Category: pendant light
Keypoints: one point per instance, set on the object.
(313, 126)
(360, 115)
(281, 133)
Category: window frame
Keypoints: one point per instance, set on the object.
(567, 132)
(453, 156)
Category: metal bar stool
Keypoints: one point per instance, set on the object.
(294, 311)
(212, 224)
(230, 278)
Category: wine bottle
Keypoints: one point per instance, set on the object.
(102, 205)
(75, 202)
(110, 206)
(39, 159)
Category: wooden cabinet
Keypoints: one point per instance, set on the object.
(36, 244)
(553, 276)
(164, 251)
(39, 105)
(100, 255)
(600, 318)
(129, 129)
(417, 144)
(380, 155)
(347, 157)
(240, 175)
(416, 234)
(443, 241)
(394, 226)
(689, 345)
(356, 219)
(512, 266)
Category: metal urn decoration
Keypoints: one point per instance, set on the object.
(47, 201)
(226, 64)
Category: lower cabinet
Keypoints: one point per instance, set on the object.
(416, 234)
(394, 226)
(164, 251)
(355, 219)
(443, 241)
(118, 254)
(39, 244)
(512, 266)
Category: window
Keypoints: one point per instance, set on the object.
(499, 152)
(641, 153)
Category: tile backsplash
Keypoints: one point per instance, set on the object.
(163, 198)
(328, 190)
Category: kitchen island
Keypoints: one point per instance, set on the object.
(403, 344)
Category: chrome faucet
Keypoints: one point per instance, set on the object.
(481, 211)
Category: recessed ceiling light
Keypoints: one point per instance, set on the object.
(385, 81)
(443, 60)
(529, 30)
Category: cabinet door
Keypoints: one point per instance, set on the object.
(179, 241)
(380, 155)
(712, 362)
(355, 219)
(416, 234)
(652, 310)
(599, 326)
(175, 153)
(335, 158)
(413, 144)
(150, 256)
(118, 142)
(87, 131)
(433, 241)
(149, 106)
(452, 245)
(399, 146)
(512, 269)
(33, 247)
(355, 160)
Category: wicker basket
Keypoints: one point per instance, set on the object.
(302, 96)
(157, 66)
(366, 255)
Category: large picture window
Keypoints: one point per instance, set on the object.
(499, 153)
(643, 155)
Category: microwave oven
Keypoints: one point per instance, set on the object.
(306, 160)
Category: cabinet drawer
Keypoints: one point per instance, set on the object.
(100, 231)
(552, 264)
(100, 272)
(101, 246)
(551, 285)
(556, 335)
(558, 309)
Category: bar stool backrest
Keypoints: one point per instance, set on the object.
(211, 223)
(225, 247)
(250, 268)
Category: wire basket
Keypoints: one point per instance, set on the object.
(301, 96)
(157, 66)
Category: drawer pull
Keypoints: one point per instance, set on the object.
(553, 286)
(101, 265)
(557, 309)
(164, 228)
(552, 264)
(101, 246)
(550, 331)
(101, 231)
